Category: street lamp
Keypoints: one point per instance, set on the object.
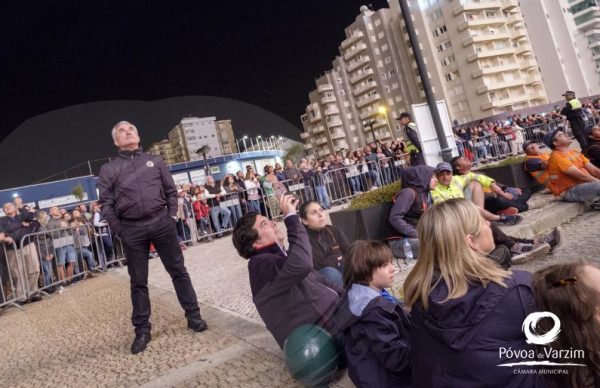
(384, 112)
(204, 150)
(258, 139)
(370, 125)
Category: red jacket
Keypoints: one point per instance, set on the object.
(200, 209)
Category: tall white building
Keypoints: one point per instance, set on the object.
(565, 35)
(191, 134)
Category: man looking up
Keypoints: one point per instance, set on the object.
(572, 176)
(139, 201)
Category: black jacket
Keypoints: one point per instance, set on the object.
(13, 228)
(327, 245)
(136, 189)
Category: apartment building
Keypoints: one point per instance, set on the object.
(364, 92)
(478, 57)
(565, 36)
(191, 134)
(164, 149)
(226, 137)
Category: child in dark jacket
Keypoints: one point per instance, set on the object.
(375, 327)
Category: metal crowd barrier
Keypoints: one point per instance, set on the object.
(12, 288)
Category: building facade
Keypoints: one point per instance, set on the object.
(478, 57)
(191, 134)
(165, 150)
(226, 137)
(566, 42)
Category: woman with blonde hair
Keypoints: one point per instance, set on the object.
(465, 309)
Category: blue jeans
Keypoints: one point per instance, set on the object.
(322, 196)
(66, 254)
(333, 275)
(375, 178)
(583, 192)
(236, 211)
(47, 271)
(88, 256)
(214, 215)
(253, 205)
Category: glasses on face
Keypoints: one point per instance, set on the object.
(564, 282)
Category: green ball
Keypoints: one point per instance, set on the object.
(311, 355)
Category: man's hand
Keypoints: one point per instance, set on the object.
(519, 191)
(9, 240)
(288, 204)
(508, 196)
(25, 224)
(175, 218)
(49, 257)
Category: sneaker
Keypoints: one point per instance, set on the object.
(509, 211)
(552, 239)
(197, 324)
(60, 290)
(595, 205)
(523, 253)
(510, 220)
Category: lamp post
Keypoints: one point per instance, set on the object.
(370, 125)
(435, 115)
(258, 139)
(204, 150)
(387, 121)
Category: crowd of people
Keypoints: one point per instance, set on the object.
(63, 246)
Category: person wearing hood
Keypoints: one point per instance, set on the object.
(329, 244)
(466, 311)
(375, 327)
(409, 204)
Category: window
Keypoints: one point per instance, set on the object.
(384, 47)
(381, 35)
(377, 22)
(376, 51)
(379, 64)
(387, 89)
(388, 60)
(383, 76)
(395, 85)
(341, 92)
(392, 72)
(369, 27)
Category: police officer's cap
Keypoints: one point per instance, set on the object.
(569, 93)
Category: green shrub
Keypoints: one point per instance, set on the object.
(505, 162)
(371, 198)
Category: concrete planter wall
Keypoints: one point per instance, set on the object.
(511, 175)
(363, 224)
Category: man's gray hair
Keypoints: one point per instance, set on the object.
(114, 129)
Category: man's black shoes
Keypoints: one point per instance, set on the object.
(197, 324)
(140, 342)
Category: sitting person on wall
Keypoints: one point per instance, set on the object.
(286, 291)
(571, 291)
(468, 186)
(464, 308)
(572, 176)
(408, 208)
(501, 199)
(373, 322)
(593, 148)
(536, 163)
(329, 244)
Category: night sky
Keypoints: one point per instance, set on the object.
(59, 54)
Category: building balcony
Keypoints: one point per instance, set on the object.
(308, 146)
(499, 85)
(315, 119)
(485, 38)
(337, 134)
(318, 129)
(538, 95)
(528, 64)
(304, 135)
(476, 6)
(351, 39)
(322, 140)
(324, 88)
(494, 69)
(505, 102)
(331, 111)
(490, 53)
(323, 151)
(362, 88)
(326, 99)
(334, 122)
(534, 80)
(357, 63)
(352, 51)
(509, 4)
(480, 22)
(514, 18)
(367, 100)
(519, 33)
(523, 48)
(368, 114)
(360, 75)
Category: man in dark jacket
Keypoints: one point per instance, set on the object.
(139, 201)
(593, 149)
(413, 144)
(285, 289)
(574, 113)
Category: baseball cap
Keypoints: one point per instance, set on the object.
(549, 138)
(527, 144)
(443, 166)
(568, 92)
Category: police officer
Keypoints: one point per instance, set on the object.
(574, 113)
(140, 205)
(413, 145)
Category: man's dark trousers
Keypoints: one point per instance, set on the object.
(137, 241)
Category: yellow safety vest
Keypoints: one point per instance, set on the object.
(575, 103)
